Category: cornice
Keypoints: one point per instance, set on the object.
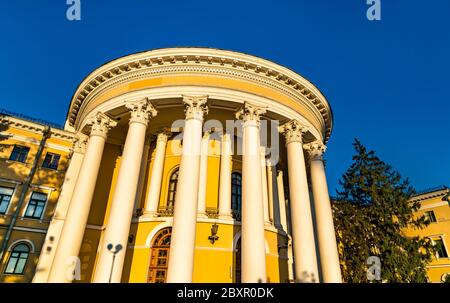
(430, 195)
(200, 60)
(35, 127)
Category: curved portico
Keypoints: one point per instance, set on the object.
(207, 115)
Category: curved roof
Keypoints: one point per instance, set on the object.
(278, 76)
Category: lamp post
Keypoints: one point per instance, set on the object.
(118, 248)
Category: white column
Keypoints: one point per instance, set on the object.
(110, 261)
(77, 215)
(140, 187)
(282, 201)
(225, 178)
(265, 196)
(305, 258)
(253, 242)
(154, 187)
(329, 256)
(203, 176)
(56, 225)
(182, 246)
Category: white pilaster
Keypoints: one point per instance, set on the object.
(121, 212)
(182, 246)
(202, 182)
(329, 256)
(154, 187)
(253, 241)
(73, 230)
(225, 178)
(305, 259)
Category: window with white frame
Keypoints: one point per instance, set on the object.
(5, 198)
(17, 259)
(36, 205)
(440, 248)
(19, 153)
(51, 161)
(430, 216)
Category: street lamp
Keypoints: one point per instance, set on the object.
(213, 238)
(118, 248)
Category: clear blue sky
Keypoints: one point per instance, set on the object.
(387, 81)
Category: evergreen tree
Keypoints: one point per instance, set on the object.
(371, 212)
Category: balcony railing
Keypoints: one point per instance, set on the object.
(165, 211)
(211, 212)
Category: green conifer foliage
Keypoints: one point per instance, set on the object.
(371, 211)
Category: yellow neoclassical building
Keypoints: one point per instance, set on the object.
(174, 165)
(435, 206)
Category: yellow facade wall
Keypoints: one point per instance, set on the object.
(212, 262)
(439, 229)
(48, 181)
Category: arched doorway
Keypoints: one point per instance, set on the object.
(159, 256)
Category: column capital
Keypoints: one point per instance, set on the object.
(101, 124)
(80, 143)
(161, 138)
(293, 131)
(196, 107)
(141, 111)
(315, 150)
(250, 112)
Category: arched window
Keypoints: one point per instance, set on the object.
(159, 258)
(17, 259)
(236, 195)
(173, 181)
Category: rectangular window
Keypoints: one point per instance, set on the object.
(19, 153)
(5, 198)
(16, 264)
(440, 248)
(51, 161)
(36, 205)
(429, 216)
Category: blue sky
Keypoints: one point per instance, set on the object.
(387, 81)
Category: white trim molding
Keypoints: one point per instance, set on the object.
(29, 242)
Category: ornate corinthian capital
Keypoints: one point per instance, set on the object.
(195, 106)
(141, 111)
(101, 124)
(162, 137)
(80, 143)
(293, 131)
(315, 150)
(250, 112)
